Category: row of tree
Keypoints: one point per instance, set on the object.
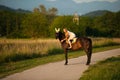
(41, 23)
(107, 25)
(27, 25)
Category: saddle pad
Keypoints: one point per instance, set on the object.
(74, 40)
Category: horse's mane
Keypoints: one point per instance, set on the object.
(61, 35)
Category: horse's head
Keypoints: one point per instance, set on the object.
(59, 35)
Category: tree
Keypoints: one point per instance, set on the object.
(35, 25)
(10, 23)
(43, 9)
(65, 22)
(36, 10)
(52, 11)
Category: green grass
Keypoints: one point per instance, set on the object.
(108, 69)
(18, 66)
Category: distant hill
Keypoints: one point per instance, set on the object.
(5, 8)
(96, 13)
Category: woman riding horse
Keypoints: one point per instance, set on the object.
(83, 42)
(68, 36)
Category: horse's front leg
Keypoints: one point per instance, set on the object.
(66, 57)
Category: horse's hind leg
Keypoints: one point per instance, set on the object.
(88, 58)
(89, 53)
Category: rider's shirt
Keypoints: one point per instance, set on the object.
(71, 35)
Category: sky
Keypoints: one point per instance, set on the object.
(65, 7)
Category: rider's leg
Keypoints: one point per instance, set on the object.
(71, 38)
(69, 43)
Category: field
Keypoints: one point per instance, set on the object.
(20, 49)
(38, 46)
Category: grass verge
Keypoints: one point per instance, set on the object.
(108, 69)
(13, 67)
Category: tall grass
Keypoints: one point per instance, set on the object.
(98, 42)
(39, 46)
(20, 49)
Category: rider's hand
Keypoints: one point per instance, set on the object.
(62, 40)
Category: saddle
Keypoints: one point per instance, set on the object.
(73, 40)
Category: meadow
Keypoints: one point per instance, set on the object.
(21, 49)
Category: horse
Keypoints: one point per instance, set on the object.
(81, 42)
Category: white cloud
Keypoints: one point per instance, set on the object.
(86, 1)
(51, 0)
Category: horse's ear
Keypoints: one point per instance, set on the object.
(58, 29)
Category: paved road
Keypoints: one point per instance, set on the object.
(58, 71)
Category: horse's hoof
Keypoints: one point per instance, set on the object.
(65, 64)
(87, 63)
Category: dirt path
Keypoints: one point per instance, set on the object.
(58, 71)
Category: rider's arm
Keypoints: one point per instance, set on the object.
(66, 37)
